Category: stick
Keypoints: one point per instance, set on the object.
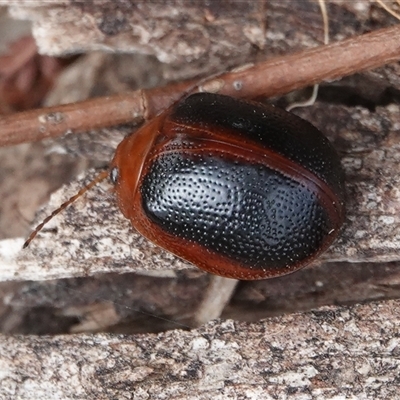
(274, 77)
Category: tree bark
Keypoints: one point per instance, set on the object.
(328, 353)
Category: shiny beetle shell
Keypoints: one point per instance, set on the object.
(240, 189)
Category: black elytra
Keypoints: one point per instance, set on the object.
(240, 189)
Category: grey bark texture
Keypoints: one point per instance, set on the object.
(202, 34)
(351, 352)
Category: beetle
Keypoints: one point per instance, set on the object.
(240, 189)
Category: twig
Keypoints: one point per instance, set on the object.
(388, 9)
(277, 76)
(216, 297)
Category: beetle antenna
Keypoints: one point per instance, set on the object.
(100, 177)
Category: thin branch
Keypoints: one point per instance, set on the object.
(388, 9)
(277, 76)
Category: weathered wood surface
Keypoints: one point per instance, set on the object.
(330, 353)
(201, 34)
